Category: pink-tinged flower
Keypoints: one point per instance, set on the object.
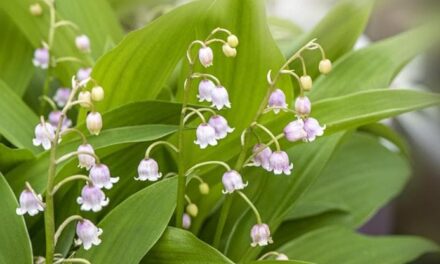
(206, 87)
(94, 123)
(83, 73)
(303, 106)
(54, 118)
(277, 100)
(100, 176)
(41, 58)
(148, 170)
(44, 134)
(88, 234)
(232, 181)
(85, 160)
(82, 42)
(260, 235)
(205, 136)
(295, 131)
(282, 256)
(220, 125)
(92, 198)
(61, 96)
(30, 203)
(279, 163)
(313, 129)
(262, 156)
(220, 97)
(186, 221)
(206, 56)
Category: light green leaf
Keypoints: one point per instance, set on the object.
(135, 225)
(372, 67)
(388, 134)
(15, 56)
(10, 157)
(345, 246)
(16, 246)
(17, 120)
(177, 246)
(278, 262)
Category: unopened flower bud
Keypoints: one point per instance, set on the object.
(186, 221)
(229, 51)
(36, 9)
(94, 123)
(303, 106)
(282, 256)
(97, 93)
(306, 82)
(82, 42)
(206, 56)
(260, 235)
(277, 100)
(325, 66)
(192, 209)
(83, 73)
(204, 188)
(232, 41)
(85, 98)
(41, 58)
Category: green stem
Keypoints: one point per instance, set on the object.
(45, 89)
(252, 206)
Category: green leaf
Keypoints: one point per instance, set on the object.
(135, 225)
(388, 134)
(372, 67)
(17, 120)
(278, 262)
(15, 53)
(16, 247)
(178, 246)
(10, 157)
(36, 171)
(344, 246)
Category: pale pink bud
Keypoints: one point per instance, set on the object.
(206, 56)
(303, 106)
(82, 42)
(94, 123)
(277, 100)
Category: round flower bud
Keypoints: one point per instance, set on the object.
(36, 9)
(83, 43)
(277, 100)
(325, 66)
(186, 221)
(192, 209)
(232, 41)
(229, 51)
(86, 98)
(94, 123)
(206, 56)
(306, 82)
(260, 235)
(97, 93)
(303, 106)
(204, 188)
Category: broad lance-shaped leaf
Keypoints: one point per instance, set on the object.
(278, 262)
(179, 246)
(135, 225)
(15, 243)
(11, 157)
(344, 246)
(15, 56)
(361, 177)
(17, 119)
(36, 171)
(374, 66)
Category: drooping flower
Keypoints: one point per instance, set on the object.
(88, 234)
(54, 118)
(277, 100)
(85, 99)
(313, 128)
(262, 156)
(186, 221)
(41, 58)
(100, 176)
(82, 42)
(192, 209)
(303, 106)
(92, 198)
(206, 56)
(44, 134)
(94, 123)
(204, 188)
(61, 96)
(232, 41)
(205, 136)
(220, 125)
(279, 163)
(220, 97)
(30, 203)
(325, 66)
(295, 131)
(85, 160)
(148, 170)
(260, 235)
(83, 73)
(97, 93)
(232, 181)
(229, 51)
(206, 87)
(306, 82)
